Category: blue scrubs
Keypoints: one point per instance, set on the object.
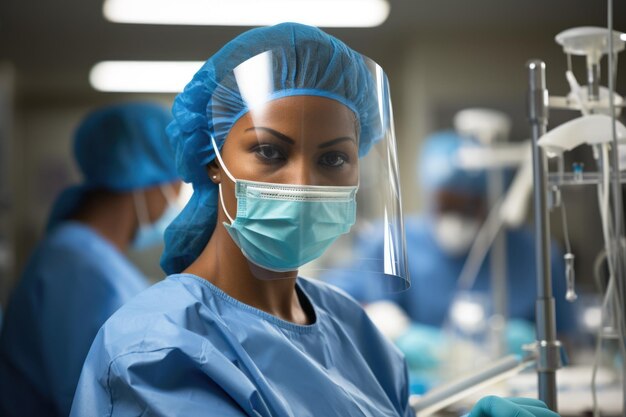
(72, 284)
(434, 275)
(185, 348)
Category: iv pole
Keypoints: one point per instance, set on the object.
(548, 347)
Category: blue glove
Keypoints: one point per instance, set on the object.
(492, 406)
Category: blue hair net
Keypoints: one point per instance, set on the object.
(119, 148)
(305, 61)
(438, 168)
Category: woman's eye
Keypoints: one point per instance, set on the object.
(333, 159)
(269, 152)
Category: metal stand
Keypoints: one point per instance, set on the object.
(453, 391)
(548, 347)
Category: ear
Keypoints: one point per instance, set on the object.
(213, 170)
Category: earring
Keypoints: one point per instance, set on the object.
(214, 177)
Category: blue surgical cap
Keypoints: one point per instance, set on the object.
(438, 168)
(305, 61)
(119, 148)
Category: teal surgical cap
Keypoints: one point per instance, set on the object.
(119, 148)
(305, 61)
(438, 167)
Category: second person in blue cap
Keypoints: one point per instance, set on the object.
(79, 274)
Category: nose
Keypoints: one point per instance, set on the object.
(303, 174)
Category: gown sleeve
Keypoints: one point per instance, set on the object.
(161, 382)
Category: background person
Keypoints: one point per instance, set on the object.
(78, 275)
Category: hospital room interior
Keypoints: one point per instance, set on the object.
(486, 249)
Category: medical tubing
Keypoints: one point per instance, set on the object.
(570, 279)
(617, 311)
(617, 200)
(603, 203)
(568, 245)
(617, 190)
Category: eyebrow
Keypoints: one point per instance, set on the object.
(273, 132)
(335, 141)
(290, 141)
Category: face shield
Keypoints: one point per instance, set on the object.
(307, 170)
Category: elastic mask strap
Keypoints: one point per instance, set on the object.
(141, 208)
(219, 158)
(219, 186)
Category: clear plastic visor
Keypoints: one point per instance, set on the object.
(308, 173)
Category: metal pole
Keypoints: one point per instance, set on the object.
(498, 269)
(548, 360)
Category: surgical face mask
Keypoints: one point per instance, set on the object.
(281, 227)
(454, 233)
(151, 234)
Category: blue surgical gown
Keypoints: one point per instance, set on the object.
(185, 348)
(73, 282)
(434, 277)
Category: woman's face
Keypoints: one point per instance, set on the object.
(304, 140)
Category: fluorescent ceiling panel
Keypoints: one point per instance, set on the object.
(326, 13)
(143, 76)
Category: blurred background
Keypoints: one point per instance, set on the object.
(440, 56)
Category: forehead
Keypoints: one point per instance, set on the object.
(299, 115)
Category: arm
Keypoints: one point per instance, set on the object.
(160, 382)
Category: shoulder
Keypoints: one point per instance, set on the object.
(73, 256)
(76, 243)
(169, 329)
(158, 317)
(73, 235)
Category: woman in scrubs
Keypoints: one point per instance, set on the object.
(272, 132)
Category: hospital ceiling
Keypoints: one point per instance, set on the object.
(53, 44)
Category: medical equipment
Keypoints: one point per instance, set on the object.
(598, 128)
(460, 388)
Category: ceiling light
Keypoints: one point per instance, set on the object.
(143, 76)
(326, 13)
